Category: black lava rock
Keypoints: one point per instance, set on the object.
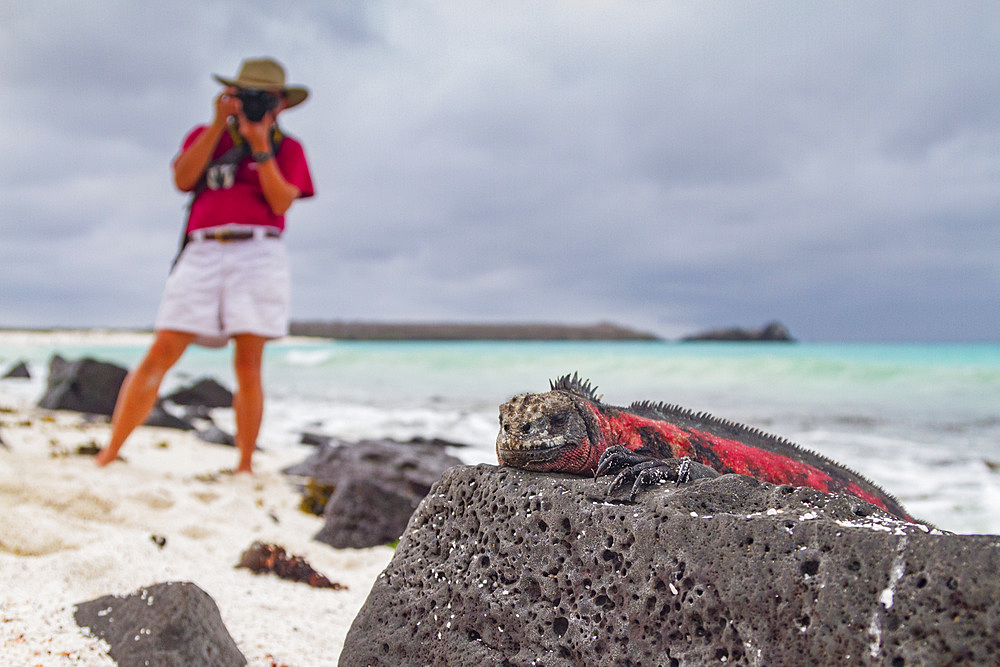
(174, 624)
(377, 485)
(18, 370)
(160, 417)
(214, 435)
(85, 385)
(507, 567)
(365, 513)
(206, 392)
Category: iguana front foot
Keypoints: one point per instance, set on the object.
(617, 457)
(643, 471)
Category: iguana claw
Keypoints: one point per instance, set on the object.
(647, 471)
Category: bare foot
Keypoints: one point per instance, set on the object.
(104, 457)
(244, 469)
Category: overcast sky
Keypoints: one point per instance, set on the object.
(671, 166)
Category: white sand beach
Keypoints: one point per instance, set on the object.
(71, 532)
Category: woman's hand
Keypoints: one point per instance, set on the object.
(257, 134)
(227, 105)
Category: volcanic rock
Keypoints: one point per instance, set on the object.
(376, 486)
(174, 624)
(509, 567)
(215, 435)
(160, 417)
(18, 370)
(206, 392)
(85, 385)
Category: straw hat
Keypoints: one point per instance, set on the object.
(266, 74)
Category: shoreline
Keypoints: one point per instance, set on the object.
(74, 532)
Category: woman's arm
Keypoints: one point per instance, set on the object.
(278, 192)
(191, 163)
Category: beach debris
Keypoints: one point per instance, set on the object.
(213, 477)
(173, 623)
(18, 370)
(315, 496)
(158, 540)
(263, 558)
(88, 449)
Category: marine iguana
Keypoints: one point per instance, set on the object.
(569, 429)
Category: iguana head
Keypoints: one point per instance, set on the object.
(551, 431)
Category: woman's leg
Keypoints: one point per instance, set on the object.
(248, 402)
(139, 391)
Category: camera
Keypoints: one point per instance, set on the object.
(256, 103)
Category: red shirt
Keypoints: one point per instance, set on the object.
(243, 202)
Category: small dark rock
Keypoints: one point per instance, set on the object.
(365, 513)
(315, 439)
(376, 485)
(174, 624)
(18, 370)
(160, 417)
(206, 392)
(85, 385)
(88, 449)
(193, 413)
(215, 435)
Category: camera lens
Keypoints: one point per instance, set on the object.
(256, 103)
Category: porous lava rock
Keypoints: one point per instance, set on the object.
(376, 485)
(500, 566)
(84, 385)
(173, 624)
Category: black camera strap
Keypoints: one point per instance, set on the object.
(232, 157)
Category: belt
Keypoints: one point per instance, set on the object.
(233, 235)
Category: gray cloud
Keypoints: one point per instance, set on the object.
(670, 166)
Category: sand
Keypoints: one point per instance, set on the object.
(71, 532)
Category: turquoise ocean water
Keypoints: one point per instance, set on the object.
(922, 421)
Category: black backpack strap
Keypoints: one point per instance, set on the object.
(239, 150)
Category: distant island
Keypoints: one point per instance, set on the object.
(459, 331)
(456, 331)
(773, 332)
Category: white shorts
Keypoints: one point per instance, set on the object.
(218, 289)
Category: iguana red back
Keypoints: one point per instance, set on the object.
(568, 429)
